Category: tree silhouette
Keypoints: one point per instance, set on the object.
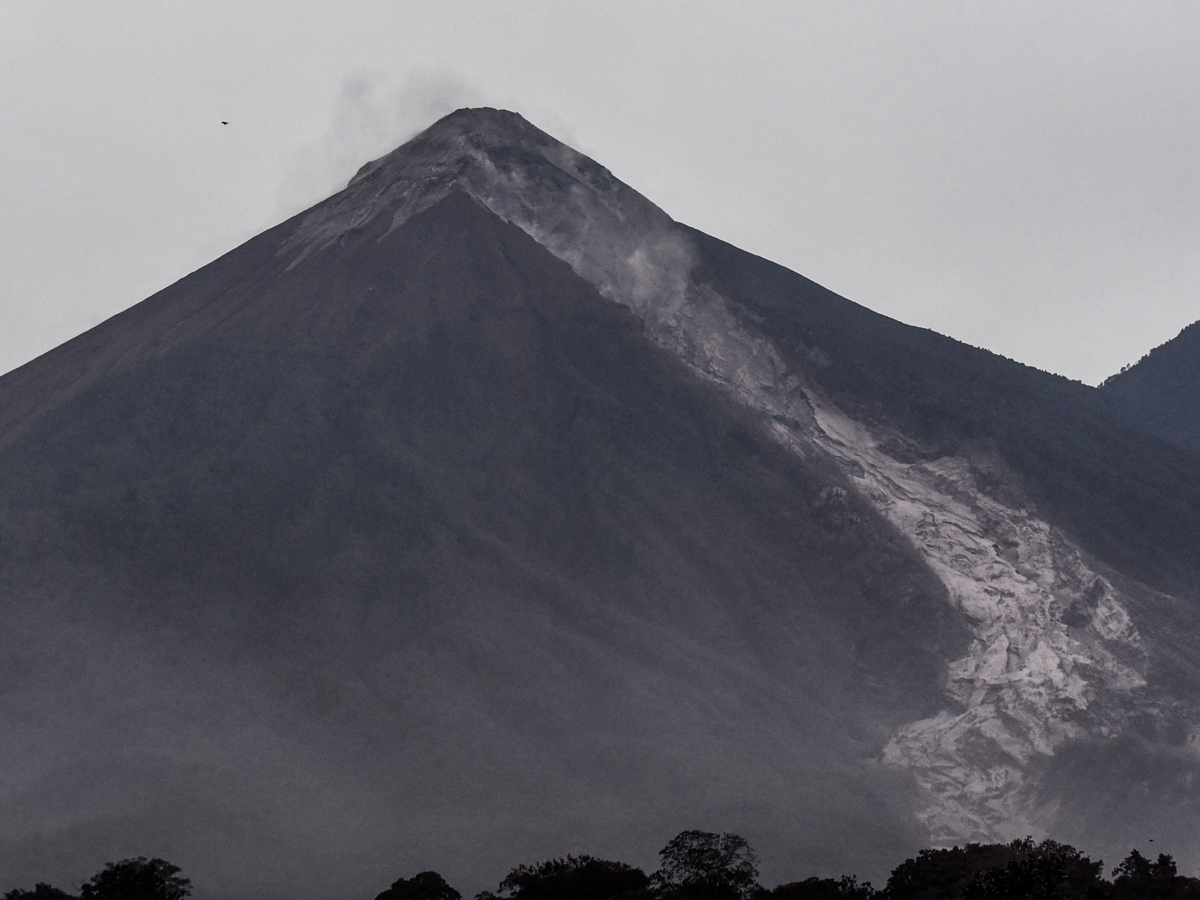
(41, 891)
(574, 877)
(422, 886)
(137, 879)
(848, 887)
(1138, 878)
(1045, 871)
(707, 866)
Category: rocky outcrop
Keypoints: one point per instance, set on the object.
(1054, 654)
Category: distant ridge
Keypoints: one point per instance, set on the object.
(1162, 390)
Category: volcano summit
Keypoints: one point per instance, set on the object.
(483, 512)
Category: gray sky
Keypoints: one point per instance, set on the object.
(1022, 176)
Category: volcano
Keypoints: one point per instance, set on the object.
(484, 513)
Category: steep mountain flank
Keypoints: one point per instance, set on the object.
(1131, 500)
(1028, 495)
(429, 550)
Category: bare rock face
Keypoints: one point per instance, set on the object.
(1054, 654)
(482, 513)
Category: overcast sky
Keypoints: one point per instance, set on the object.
(1021, 176)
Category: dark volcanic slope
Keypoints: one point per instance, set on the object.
(1132, 500)
(1162, 392)
(1085, 464)
(422, 555)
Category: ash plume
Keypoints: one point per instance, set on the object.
(370, 116)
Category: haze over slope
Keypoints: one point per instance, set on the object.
(482, 511)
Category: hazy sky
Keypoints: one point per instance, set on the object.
(1021, 176)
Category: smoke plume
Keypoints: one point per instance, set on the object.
(371, 116)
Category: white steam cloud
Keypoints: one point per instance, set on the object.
(371, 116)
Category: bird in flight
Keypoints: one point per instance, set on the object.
(223, 122)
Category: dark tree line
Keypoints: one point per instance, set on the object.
(701, 865)
(129, 879)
